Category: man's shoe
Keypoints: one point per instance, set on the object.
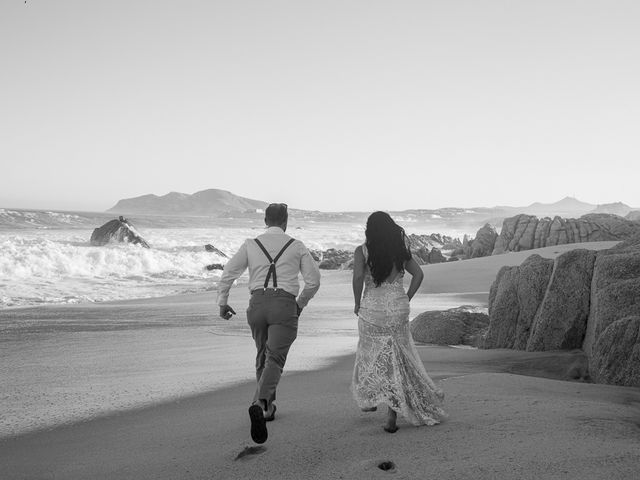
(272, 417)
(259, 432)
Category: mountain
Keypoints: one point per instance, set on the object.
(617, 208)
(205, 202)
(567, 207)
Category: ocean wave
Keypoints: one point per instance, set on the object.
(38, 269)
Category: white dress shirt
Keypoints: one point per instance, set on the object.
(295, 259)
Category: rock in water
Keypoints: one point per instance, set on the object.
(333, 259)
(119, 230)
(210, 248)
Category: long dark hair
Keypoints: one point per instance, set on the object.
(387, 246)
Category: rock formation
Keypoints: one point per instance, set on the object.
(561, 319)
(588, 300)
(615, 356)
(513, 302)
(210, 248)
(425, 249)
(457, 326)
(119, 230)
(525, 232)
(483, 244)
(428, 249)
(214, 266)
(333, 259)
(615, 288)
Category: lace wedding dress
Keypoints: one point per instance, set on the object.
(388, 369)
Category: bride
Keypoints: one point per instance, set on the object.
(388, 369)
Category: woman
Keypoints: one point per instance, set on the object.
(388, 369)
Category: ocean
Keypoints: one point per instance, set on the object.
(46, 258)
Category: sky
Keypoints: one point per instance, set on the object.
(325, 105)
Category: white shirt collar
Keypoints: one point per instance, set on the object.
(275, 230)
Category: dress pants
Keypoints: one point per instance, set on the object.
(273, 318)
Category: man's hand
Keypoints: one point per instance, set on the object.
(226, 312)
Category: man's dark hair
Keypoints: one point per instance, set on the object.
(276, 214)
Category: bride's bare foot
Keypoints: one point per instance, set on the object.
(391, 426)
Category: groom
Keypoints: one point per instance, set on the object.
(274, 260)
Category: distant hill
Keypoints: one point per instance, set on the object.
(617, 208)
(567, 207)
(205, 202)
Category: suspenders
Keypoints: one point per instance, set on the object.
(272, 267)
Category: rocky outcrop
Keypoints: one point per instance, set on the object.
(561, 320)
(434, 240)
(119, 230)
(615, 288)
(513, 302)
(615, 356)
(457, 326)
(425, 249)
(333, 259)
(483, 244)
(428, 249)
(525, 232)
(589, 300)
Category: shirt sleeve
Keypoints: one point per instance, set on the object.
(232, 270)
(310, 276)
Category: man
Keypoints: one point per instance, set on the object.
(274, 260)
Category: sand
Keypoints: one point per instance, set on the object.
(512, 414)
(501, 426)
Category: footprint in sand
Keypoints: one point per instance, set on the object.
(249, 451)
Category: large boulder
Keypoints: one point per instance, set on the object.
(561, 320)
(525, 232)
(503, 309)
(615, 357)
(436, 256)
(535, 273)
(615, 288)
(514, 299)
(457, 326)
(483, 244)
(118, 230)
(590, 300)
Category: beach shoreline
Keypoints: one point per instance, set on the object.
(501, 425)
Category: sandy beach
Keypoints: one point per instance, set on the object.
(139, 389)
